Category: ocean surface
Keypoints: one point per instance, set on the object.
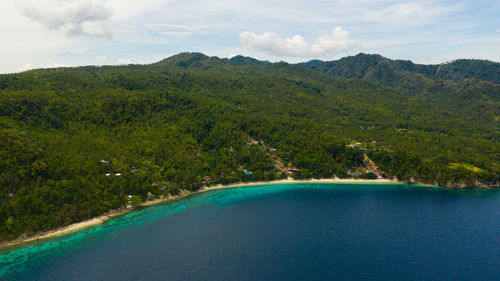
(283, 232)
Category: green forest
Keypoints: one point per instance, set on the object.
(78, 142)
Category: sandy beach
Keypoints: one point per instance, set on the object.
(101, 219)
(292, 181)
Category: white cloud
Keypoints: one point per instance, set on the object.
(129, 61)
(56, 65)
(26, 66)
(154, 29)
(411, 13)
(167, 26)
(79, 51)
(125, 61)
(73, 17)
(326, 45)
(30, 66)
(126, 9)
(172, 31)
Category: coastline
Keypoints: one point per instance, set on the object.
(292, 181)
(114, 213)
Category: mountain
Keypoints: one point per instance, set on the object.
(246, 60)
(391, 72)
(183, 60)
(78, 142)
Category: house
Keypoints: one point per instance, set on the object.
(290, 171)
(354, 144)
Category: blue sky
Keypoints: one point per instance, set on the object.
(48, 33)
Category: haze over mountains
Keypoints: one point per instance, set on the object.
(77, 142)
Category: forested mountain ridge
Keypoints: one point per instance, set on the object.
(381, 69)
(77, 142)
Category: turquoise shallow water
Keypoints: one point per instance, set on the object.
(282, 232)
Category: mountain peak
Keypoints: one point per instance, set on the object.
(184, 60)
(239, 59)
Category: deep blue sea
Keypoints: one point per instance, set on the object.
(283, 232)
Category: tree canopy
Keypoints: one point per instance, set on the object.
(77, 142)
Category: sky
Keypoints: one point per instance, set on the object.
(53, 33)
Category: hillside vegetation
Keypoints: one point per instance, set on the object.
(77, 142)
